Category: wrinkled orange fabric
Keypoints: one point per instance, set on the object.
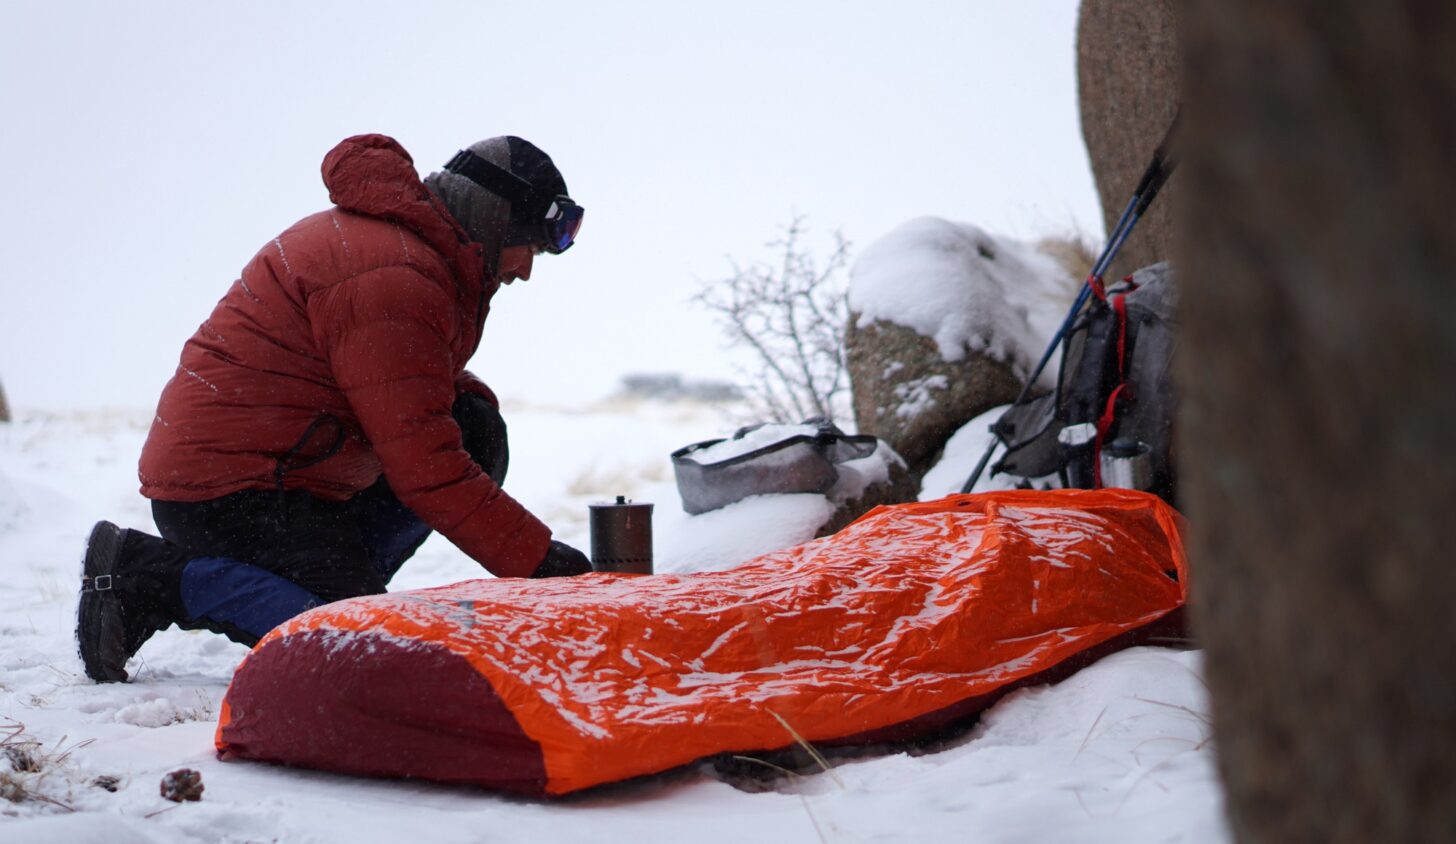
(909, 610)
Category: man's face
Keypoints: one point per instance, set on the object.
(515, 263)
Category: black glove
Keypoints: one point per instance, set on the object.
(562, 561)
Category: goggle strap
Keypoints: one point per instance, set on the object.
(498, 180)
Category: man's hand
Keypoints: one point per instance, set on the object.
(562, 561)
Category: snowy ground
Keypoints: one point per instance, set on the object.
(1117, 753)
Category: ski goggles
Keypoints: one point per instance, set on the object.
(560, 224)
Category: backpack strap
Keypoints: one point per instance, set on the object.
(1118, 302)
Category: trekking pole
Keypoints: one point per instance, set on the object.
(1148, 186)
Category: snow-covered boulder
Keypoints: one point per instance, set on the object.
(946, 321)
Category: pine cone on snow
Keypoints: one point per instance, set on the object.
(182, 784)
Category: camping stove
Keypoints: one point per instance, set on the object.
(621, 536)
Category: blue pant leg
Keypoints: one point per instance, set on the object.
(229, 593)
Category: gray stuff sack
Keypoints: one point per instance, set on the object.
(795, 464)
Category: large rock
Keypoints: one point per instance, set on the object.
(946, 321)
(905, 393)
(1127, 79)
(1318, 413)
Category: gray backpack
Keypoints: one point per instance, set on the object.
(1110, 421)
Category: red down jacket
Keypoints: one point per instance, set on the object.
(337, 355)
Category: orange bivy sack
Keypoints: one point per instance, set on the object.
(913, 616)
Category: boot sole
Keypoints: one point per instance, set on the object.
(99, 627)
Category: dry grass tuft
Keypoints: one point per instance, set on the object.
(808, 748)
(1072, 251)
(203, 711)
(29, 771)
(793, 775)
(50, 589)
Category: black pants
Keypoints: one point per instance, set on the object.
(253, 551)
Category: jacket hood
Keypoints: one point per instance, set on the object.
(374, 175)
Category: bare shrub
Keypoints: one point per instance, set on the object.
(792, 316)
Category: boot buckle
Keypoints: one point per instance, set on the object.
(99, 583)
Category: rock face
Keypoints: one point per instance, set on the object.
(1128, 83)
(1318, 411)
(907, 394)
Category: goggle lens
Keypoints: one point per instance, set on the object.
(563, 221)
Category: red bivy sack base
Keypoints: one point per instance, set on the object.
(912, 616)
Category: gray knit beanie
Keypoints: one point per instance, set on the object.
(487, 218)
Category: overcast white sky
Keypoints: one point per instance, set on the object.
(151, 148)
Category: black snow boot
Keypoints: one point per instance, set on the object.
(130, 589)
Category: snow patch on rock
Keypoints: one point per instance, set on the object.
(918, 396)
(966, 289)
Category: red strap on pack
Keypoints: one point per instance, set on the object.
(1109, 412)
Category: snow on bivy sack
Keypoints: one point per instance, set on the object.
(914, 616)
